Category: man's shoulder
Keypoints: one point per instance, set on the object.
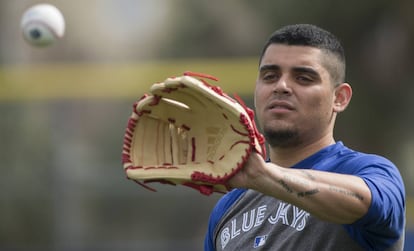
(229, 199)
(358, 155)
(345, 159)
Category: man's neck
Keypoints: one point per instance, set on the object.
(288, 156)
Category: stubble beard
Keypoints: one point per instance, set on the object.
(281, 138)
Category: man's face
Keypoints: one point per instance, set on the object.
(294, 96)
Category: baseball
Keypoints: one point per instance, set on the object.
(42, 25)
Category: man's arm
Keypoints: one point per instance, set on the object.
(333, 197)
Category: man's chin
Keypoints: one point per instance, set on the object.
(282, 138)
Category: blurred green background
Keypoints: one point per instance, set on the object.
(64, 108)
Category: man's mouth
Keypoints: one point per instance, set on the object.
(280, 105)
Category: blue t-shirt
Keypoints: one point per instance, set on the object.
(381, 228)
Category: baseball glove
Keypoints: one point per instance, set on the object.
(189, 132)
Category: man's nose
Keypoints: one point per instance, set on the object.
(282, 86)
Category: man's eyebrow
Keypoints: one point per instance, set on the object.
(296, 69)
(269, 67)
(308, 70)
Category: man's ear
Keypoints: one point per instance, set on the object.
(343, 95)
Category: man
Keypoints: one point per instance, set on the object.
(313, 193)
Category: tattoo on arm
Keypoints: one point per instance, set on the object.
(308, 175)
(284, 183)
(306, 181)
(301, 181)
(308, 193)
(346, 192)
(285, 186)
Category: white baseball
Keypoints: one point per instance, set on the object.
(42, 24)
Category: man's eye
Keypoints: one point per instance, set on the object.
(269, 76)
(304, 79)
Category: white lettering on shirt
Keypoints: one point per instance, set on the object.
(285, 214)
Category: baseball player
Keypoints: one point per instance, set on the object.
(313, 192)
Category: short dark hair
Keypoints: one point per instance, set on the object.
(313, 36)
